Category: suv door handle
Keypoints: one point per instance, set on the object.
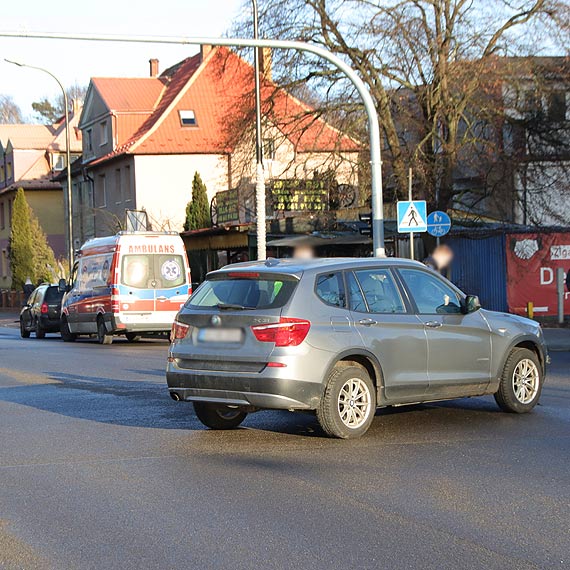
(367, 322)
(433, 324)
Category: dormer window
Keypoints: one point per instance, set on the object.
(58, 161)
(187, 118)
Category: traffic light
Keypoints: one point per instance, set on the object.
(367, 219)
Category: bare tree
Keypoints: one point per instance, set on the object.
(9, 111)
(432, 66)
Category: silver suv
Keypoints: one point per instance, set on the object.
(344, 337)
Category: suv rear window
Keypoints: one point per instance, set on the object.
(53, 295)
(230, 290)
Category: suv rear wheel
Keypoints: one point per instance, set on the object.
(348, 405)
(521, 382)
(215, 416)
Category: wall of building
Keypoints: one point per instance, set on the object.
(288, 163)
(48, 207)
(164, 184)
(543, 191)
(105, 199)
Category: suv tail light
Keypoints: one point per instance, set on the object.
(179, 331)
(287, 332)
(44, 309)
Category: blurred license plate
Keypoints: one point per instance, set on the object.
(220, 335)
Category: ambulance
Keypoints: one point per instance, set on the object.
(129, 284)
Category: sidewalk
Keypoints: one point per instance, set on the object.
(8, 317)
(557, 339)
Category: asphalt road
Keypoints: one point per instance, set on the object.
(100, 469)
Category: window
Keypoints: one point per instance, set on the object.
(58, 161)
(432, 295)
(557, 106)
(9, 210)
(94, 271)
(89, 140)
(118, 187)
(101, 192)
(187, 118)
(269, 149)
(380, 291)
(103, 133)
(9, 171)
(164, 271)
(2, 216)
(4, 263)
(128, 186)
(356, 299)
(258, 291)
(2, 174)
(330, 289)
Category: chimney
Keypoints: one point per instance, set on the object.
(205, 49)
(153, 67)
(76, 105)
(266, 63)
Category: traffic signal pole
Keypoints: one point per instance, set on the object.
(373, 126)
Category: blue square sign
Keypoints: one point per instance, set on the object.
(412, 216)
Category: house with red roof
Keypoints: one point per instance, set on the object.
(31, 157)
(144, 139)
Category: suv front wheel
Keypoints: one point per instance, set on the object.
(521, 382)
(348, 405)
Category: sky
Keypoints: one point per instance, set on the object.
(76, 62)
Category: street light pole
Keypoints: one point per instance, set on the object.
(339, 63)
(67, 156)
(259, 172)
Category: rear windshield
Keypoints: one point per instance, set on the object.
(53, 295)
(153, 271)
(259, 292)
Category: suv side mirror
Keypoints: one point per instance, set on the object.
(62, 286)
(471, 304)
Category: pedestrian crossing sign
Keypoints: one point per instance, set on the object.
(412, 216)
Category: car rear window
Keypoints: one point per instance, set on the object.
(233, 290)
(53, 295)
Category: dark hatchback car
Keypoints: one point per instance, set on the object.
(41, 313)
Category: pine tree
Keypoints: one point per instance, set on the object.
(21, 242)
(198, 209)
(45, 265)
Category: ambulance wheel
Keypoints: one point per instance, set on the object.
(132, 337)
(103, 337)
(66, 334)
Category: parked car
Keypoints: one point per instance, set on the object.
(41, 313)
(128, 284)
(343, 337)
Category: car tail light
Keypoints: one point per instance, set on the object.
(287, 332)
(44, 309)
(179, 331)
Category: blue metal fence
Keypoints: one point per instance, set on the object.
(480, 268)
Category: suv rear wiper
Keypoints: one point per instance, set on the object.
(230, 306)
